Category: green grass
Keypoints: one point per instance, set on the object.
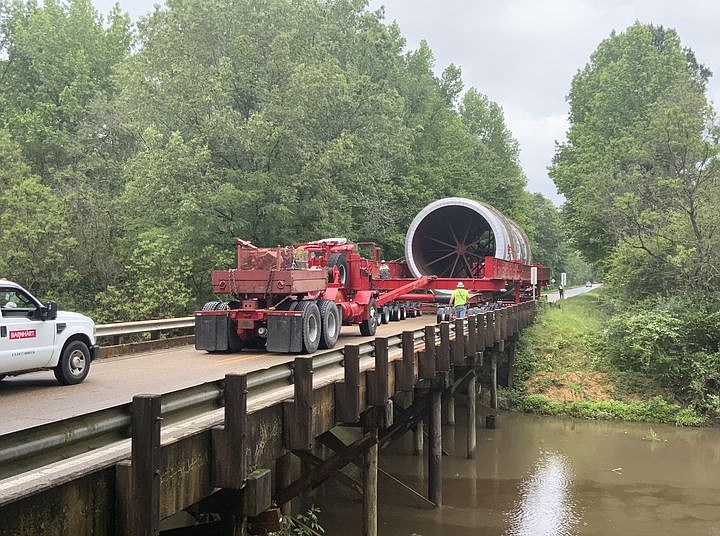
(561, 338)
(562, 346)
(657, 409)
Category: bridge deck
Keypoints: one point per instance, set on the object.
(35, 399)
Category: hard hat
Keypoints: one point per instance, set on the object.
(460, 284)
(383, 261)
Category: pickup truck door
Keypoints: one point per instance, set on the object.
(26, 342)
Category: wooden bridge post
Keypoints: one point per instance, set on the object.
(426, 367)
(228, 442)
(493, 376)
(283, 478)
(418, 436)
(470, 349)
(347, 392)
(503, 323)
(435, 448)
(511, 361)
(443, 355)
(443, 365)
(459, 347)
(378, 378)
(370, 488)
(471, 418)
(482, 332)
(138, 482)
(489, 330)
(407, 382)
(297, 413)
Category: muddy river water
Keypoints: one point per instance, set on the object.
(545, 476)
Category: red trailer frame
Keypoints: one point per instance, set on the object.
(270, 285)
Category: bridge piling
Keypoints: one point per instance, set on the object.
(435, 448)
(471, 417)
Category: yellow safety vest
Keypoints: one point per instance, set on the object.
(459, 296)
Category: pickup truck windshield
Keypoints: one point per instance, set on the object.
(15, 301)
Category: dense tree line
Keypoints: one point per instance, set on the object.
(640, 173)
(131, 155)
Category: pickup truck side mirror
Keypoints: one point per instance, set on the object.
(49, 312)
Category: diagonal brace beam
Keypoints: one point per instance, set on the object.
(326, 469)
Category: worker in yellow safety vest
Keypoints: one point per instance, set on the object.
(384, 270)
(459, 299)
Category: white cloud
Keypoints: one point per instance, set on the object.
(524, 53)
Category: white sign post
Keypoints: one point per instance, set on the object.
(533, 280)
(563, 279)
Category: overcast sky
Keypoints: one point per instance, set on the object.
(524, 53)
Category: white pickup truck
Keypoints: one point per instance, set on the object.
(34, 337)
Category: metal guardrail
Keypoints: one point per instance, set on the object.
(60, 439)
(143, 326)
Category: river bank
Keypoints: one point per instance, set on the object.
(560, 369)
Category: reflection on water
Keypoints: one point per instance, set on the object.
(545, 506)
(550, 476)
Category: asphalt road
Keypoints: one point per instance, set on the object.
(34, 399)
(569, 293)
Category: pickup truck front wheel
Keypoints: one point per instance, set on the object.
(74, 364)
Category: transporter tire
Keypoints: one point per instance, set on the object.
(331, 321)
(403, 313)
(368, 327)
(395, 313)
(74, 363)
(215, 306)
(385, 315)
(311, 325)
(339, 260)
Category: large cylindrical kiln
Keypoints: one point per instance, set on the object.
(450, 238)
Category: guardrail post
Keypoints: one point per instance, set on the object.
(378, 378)
(471, 337)
(496, 325)
(138, 481)
(229, 441)
(347, 392)
(459, 346)
(511, 361)
(443, 358)
(426, 366)
(482, 332)
(297, 413)
(408, 361)
(506, 323)
(489, 330)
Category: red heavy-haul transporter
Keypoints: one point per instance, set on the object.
(295, 299)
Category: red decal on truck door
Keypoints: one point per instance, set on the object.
(23, 334)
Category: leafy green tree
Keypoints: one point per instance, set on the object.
(57, 57)
(33, 229)
(153, 283)
(626, 75)
(548, 237)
